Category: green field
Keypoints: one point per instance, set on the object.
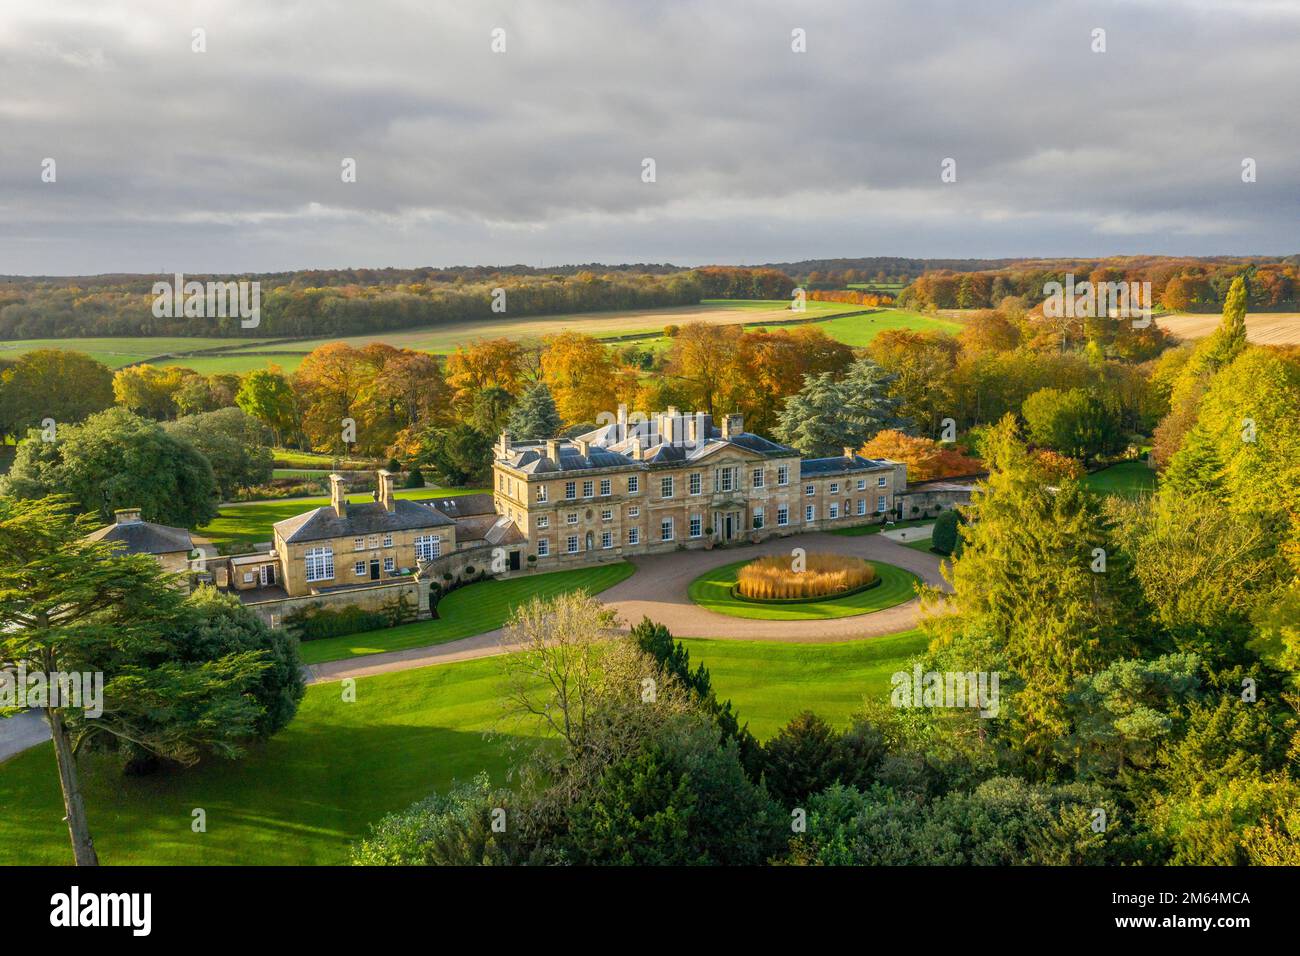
(116, 352)
(712, 591)
(446, 338)
(250, 522)
(473, 609)
(1128, 479)
(244, 355)
(302, 797)
(859, 330)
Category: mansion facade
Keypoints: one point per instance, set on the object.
(678, 480)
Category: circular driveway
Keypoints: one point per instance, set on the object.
(658, 591)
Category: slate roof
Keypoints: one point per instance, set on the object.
(605, 450)
(144, 537)
(368, 517)
(813, 467)
(462, 506)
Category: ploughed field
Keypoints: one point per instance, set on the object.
(1262, 328)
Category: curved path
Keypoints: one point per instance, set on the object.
(658, 590)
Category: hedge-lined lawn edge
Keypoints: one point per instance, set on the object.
(473, 609)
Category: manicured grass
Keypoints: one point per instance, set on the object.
(877, 528)
(712, 591)
(250, 521)
(921, 545)
(301, 798)
(467, 611)
(1128, 479)
(770, 682)
(305, 795)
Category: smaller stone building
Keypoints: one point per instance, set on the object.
(170, 547)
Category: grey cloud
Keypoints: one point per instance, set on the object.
(229, 160)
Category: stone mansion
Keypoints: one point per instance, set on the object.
(678, 480)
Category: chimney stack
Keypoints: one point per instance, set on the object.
(553, 450)
(503, 444)
(584, 447)
(621, 434)
(386, 490)
(850, 453)
(636, 448)
(732, 425)
(338, 495)
(126, 516)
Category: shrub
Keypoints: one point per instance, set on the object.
(415, 478)
(393, 465)
(314, 622)
(823, 574)
(946, 537)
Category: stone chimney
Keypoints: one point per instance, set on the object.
(584, 447)
(850, 453)
(553, 450)
(386, 490)
(503, 444)
(338, 495)
(126, 516)
(698, 428)
(622, 423)
(732, 425)
(670, 426)
(636, 449)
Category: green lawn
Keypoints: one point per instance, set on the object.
(299, 799)
(467, 611)
(305, 795)
(712, 591)
(769, 682)
(1128, 479)
(250, 521)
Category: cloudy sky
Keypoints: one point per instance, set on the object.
(230, 160)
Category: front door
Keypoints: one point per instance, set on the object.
(726, 528)
(514, 560)
(374, 570)
(267, 575)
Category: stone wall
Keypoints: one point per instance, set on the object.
(372, 598)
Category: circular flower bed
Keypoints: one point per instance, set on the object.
(715, 591)
(780, 578)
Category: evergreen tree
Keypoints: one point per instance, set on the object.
(535, 417)
(830, 414)
(1041, 589)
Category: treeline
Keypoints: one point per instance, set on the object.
(1196, 285)
(291, 307)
